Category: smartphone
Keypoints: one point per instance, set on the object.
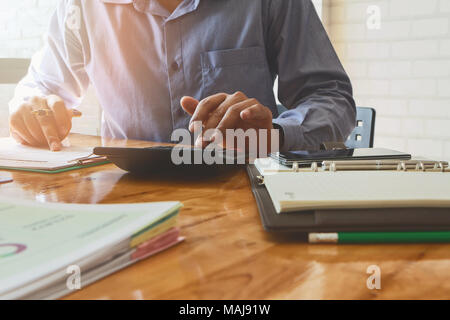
(305, 158)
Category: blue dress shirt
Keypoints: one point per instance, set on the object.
(141, 59)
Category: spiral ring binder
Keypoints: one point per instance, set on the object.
(361, 219)
(369, 165)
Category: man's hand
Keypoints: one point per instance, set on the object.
(223, 111)
(47, 127)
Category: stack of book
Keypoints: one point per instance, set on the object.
(50, 250)
(351, 201)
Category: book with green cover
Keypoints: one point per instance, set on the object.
(39, 241)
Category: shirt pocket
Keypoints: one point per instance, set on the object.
(243, 69)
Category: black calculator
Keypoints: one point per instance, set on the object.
(160, 159)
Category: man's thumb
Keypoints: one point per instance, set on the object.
(189, 104)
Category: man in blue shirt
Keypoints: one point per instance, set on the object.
(158, 65)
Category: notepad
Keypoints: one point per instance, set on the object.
(357, 189)
(39, 243)
(14, 156)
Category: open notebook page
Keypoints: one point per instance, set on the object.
(15, 155)
(357, 189)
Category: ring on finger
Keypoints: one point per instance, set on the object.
(42, 112)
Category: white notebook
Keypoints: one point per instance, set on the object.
(357, 189)
(301, 191)
(15, 156)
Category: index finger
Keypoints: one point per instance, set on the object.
(61, 115)
(205, 107)
(49, 128)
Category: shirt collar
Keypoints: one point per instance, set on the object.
(154, 7)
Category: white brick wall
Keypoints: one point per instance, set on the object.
(402, 69)
(22, 26)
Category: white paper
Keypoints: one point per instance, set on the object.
(15, 155)
(358, 189)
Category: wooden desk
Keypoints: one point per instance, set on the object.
(227, 254)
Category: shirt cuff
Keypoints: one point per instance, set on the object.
(292, 133)
(25, 90)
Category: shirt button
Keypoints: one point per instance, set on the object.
(175, 66)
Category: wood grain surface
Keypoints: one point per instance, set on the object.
(227, 254)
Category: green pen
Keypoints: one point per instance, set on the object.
(380, 237)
